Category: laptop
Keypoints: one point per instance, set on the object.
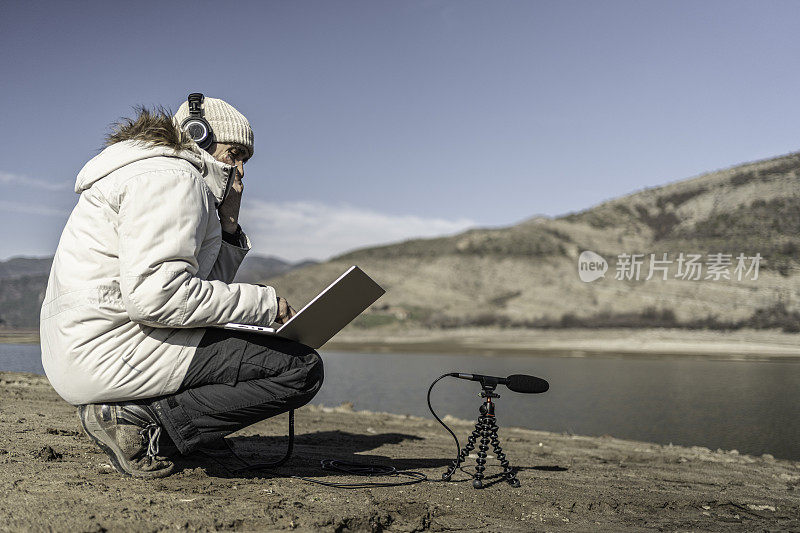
(329, 311)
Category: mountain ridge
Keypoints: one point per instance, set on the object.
(526, 274)
(23, 281)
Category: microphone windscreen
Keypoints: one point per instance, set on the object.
(529, 384)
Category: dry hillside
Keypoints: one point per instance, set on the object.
(527, 274)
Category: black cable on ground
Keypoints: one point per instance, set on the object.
(458, 446)
(347, 467)
(344, 467)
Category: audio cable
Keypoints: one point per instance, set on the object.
(517, 383)
(458, 446)
(331, 465)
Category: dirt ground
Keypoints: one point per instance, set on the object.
(54, 479)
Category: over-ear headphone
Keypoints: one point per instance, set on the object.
(196, 126)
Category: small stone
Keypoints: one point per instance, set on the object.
(761, 507)
(48, 454)
(95, 528)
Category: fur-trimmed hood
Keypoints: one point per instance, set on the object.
(140, 271)
(153, 134)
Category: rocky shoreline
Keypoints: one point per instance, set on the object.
(54, 479)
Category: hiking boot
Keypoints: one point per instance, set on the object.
(128, 433)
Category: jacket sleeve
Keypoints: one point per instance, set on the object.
(162, 223)
(231, 255)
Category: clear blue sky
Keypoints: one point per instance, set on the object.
(380, 120)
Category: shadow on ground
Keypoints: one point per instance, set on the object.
(242, 457)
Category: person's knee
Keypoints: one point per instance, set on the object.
(315, 372)
(314, 375)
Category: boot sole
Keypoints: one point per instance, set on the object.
(92, 429)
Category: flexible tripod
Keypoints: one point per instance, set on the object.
(485, 430)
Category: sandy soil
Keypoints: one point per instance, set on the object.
(53, 478)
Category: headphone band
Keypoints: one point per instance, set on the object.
(195, 104)
(198, 127)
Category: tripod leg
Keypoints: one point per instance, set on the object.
(462, 455)
(508, 472)
(477, 479)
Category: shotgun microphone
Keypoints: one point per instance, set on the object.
(515, 382)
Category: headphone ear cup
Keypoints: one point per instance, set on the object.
(199, 130)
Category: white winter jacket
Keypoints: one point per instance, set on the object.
(140, 270)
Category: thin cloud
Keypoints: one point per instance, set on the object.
(7, 178)
(32, 209)
(307, 230)
(302, 230)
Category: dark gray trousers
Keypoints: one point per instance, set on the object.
(234, 380)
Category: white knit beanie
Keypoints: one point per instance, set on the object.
(228, 124)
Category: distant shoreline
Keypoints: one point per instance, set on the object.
(19, 336)
(749, 345)
(740, 345)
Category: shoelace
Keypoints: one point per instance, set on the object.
(151, 433)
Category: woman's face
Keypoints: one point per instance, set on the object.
(230, 154)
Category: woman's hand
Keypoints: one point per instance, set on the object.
(229, 208)
(285, 311)
(235, 155)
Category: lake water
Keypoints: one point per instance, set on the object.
(748, 406)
